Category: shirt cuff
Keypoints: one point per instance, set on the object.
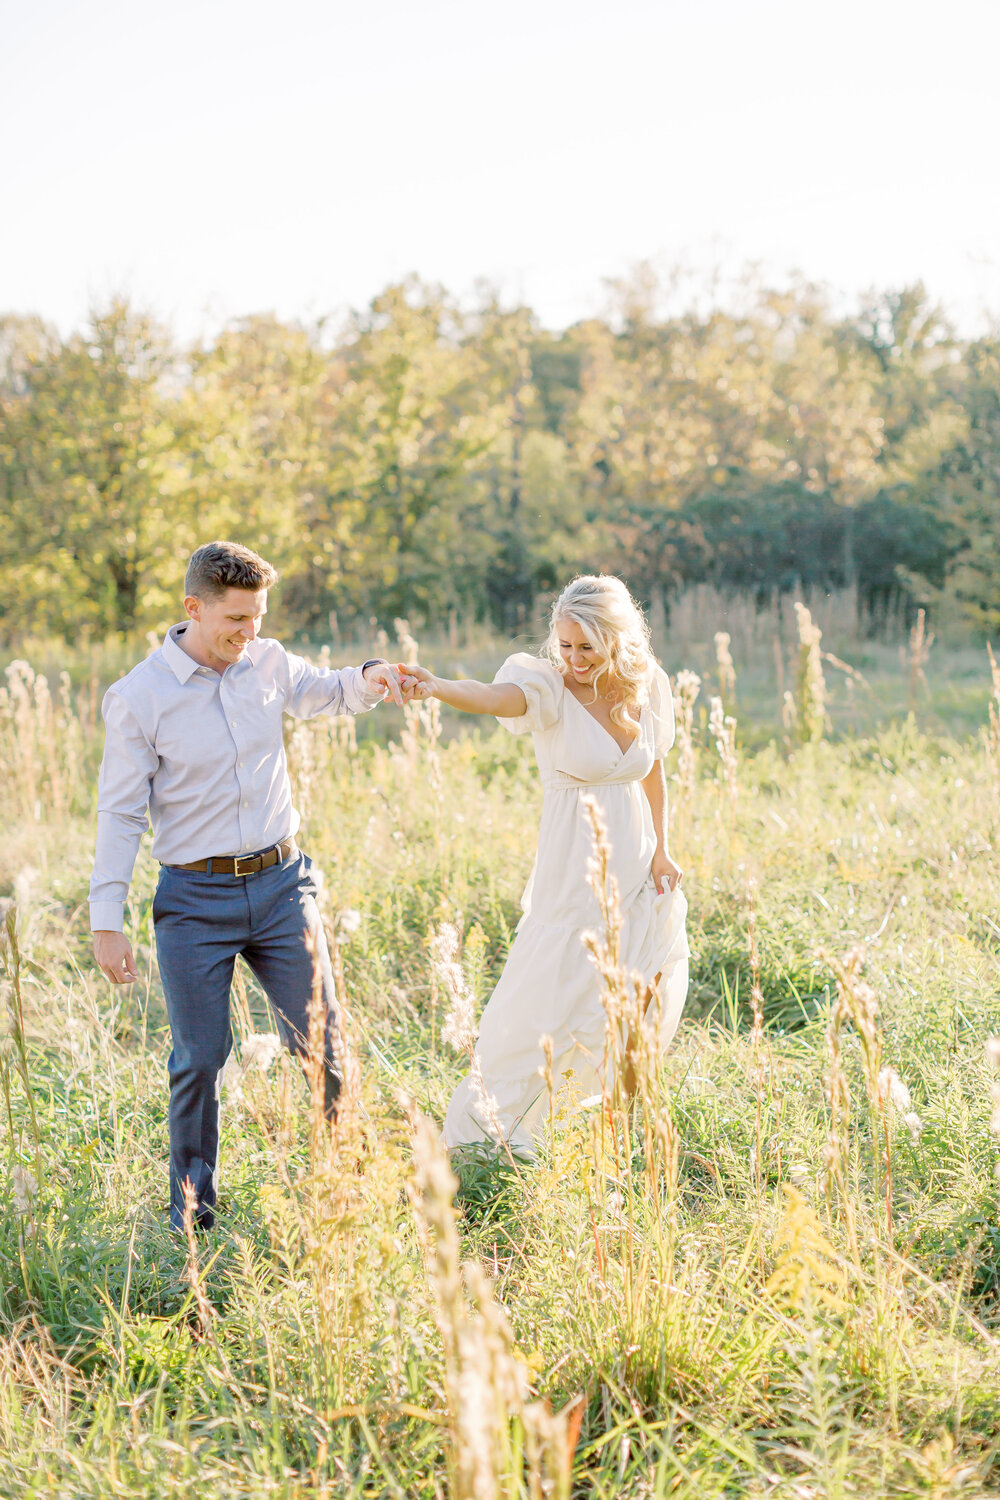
(370, 698)
(107, 916)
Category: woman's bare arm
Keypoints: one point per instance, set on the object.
(664, 869)
(655, 787)
(503, 699)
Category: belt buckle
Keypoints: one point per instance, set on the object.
(249, 861)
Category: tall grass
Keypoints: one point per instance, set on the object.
(770, 1266)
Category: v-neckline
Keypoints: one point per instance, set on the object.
(603, 727)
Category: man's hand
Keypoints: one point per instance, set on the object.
(382, 674)
(113, 952)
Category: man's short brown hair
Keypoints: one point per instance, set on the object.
(218, 566)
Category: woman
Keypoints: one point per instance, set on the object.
(601, 714)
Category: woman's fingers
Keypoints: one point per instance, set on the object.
(410, 669)
(417, 681)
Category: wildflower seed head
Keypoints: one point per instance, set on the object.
(460, 1029)
(687, 685)
(892, 1089)
(348, 923)
(260, 1050)
(24, 1185)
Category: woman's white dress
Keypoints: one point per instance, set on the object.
(550, 986)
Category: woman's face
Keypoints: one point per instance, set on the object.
(579, 652)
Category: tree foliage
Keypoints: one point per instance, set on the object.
(427, 457)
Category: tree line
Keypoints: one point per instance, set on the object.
(425, 457)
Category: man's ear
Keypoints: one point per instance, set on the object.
(192, 607)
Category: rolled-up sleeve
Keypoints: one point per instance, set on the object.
(122, 811)
(325, 690)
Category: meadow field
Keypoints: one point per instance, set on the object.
(773, 1271)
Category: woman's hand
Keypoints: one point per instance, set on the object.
(665, 871)
(417, 681)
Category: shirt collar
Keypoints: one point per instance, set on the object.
(184, 666)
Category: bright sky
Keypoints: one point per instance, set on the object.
(219, 157)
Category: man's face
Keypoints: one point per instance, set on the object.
(224, 627)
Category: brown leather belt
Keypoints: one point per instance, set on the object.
(242, 864)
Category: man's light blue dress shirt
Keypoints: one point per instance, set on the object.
(202, 754)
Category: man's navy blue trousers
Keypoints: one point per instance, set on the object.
(202, 923)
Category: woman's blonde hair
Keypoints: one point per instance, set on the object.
(617, 628)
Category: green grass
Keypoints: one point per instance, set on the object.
(638, 1283)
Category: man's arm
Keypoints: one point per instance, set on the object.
(345, 690)
(122, 816)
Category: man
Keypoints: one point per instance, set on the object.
(194, 736)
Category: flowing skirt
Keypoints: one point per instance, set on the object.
(550, 986)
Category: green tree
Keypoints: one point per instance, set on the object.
(412, 420)
(970, 493)
(255, 426)
(87, 456)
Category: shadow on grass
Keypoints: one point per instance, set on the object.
(488, 1189)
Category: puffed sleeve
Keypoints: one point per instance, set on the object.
(661, 705)
(543, 687)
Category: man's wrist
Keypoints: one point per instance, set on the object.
(107, 916)
(376, 661)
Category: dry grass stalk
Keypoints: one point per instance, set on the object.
(192, 1269)
(893, 1091)
(811, 682)
(993, 729)
(32, 1372)
(723, 730)
(631, 1087)
(486, 1386)
(836, 1148)
(789, 715)
(461, 1028)
(858, 1001)
(725, 666)
(547, 1072)
(605, 950)
(13, 1045)
(696, 610)
(917, 655)
(686, 688)
(303, 768)
(851, 673)
(41, 745)
(756, 1040)
(420, 737)
(324, 1220)
(993, 1058)
(314, 1063)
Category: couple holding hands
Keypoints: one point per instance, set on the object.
(194, 745)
